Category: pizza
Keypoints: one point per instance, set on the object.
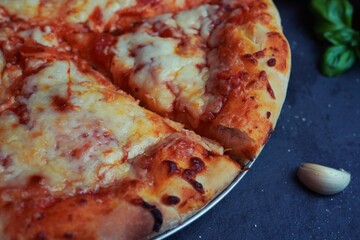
(121, 119)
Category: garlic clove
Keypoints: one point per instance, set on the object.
(323, 180)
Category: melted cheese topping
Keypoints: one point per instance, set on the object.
(79, 134)
(45, 37)
(168, 55)
(72, 11)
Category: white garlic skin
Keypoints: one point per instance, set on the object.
(323, 180)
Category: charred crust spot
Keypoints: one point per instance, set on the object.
(271, 62)
(251, 84)
(170, 200)
(259, 54)
(68, 235)
(198, 186)
(156, 213)
(244, 75)
(41, 236)
(250, 58)
(210, 154)
(268, 115)
(158, 218)
(262, 75)
(197, 164)
(188, 173)
(172, 167)
(270, 90)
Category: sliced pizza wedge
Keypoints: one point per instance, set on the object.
(221, 69)
(79, 158)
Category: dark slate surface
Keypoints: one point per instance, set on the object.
(319, 123)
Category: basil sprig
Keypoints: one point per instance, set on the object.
(333, 22)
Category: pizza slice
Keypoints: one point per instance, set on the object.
(80, 159)
(221, 69)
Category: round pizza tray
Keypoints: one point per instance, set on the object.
(207, 207)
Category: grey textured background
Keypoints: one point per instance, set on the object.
(320, 123)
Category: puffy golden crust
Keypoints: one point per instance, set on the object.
(88, 216)
(249, 79)
(182, 175)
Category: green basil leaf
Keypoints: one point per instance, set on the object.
(332, 15)
(337, 60)
(322, 27)
(345, 36)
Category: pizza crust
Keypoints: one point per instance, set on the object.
(255, 58)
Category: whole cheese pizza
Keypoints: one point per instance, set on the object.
(120, 119)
